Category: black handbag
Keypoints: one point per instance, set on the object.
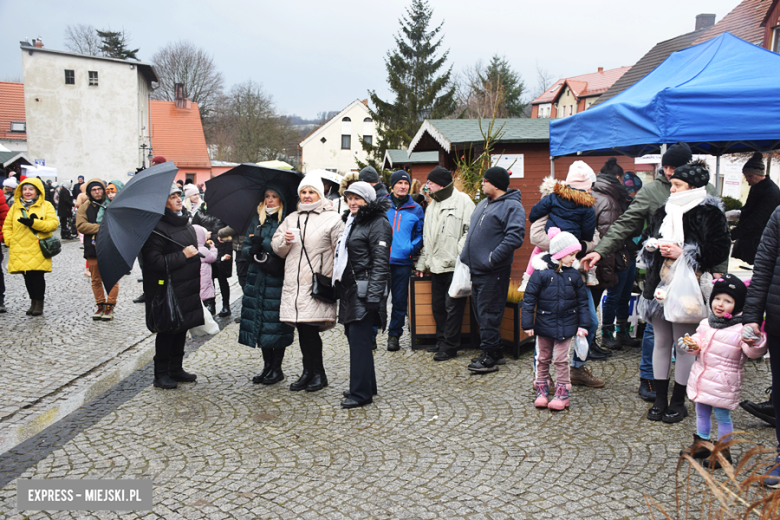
(165, 316)
(321, 286)
(622, 259)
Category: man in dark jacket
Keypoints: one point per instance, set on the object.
(764, 197)
(65, 212)
(763, 304)
(406, 218)
(77, 187)
(497, 228)
(370, 175)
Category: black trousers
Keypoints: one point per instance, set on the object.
(773, 344)
(224, 287)
(362, 377)
(168, 347)
(488, 299)
(36, 284)
(447, 312)
(311, 347)
(2, 278)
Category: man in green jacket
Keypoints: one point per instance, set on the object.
(652, 196)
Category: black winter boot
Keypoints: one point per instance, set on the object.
(176, 371)
(696, 451)
(764, 411)
(307, 373)
(275, 375)
(32, 307)
(609, 339)
(621, 335)
(318, 380)
(37, 308)
(161, 377)
(661, 402)
(647, 389)
(268, 354)
(486, 363)
(676, 411)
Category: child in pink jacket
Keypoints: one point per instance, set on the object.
(206, 247)
(715, 382)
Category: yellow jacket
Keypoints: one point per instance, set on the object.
(24, 252)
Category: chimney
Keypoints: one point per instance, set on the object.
(39, 43)
(365, 102)
(180, 101)
(704, 21)
(601, 69)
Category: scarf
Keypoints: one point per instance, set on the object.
(305, 208)
(342, 254)
(679, 204)
(271, 211)
(723, 323)
(28, 203)
(102, 211)
(399, 202)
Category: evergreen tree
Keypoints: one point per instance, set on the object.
(499, 76)
(490, 91)
(422, 88)
(114, 45)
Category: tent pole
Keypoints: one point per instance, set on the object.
(718, 183)
(552, 167)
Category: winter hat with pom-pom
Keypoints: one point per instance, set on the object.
(562, 243)
(734, 287)
(755, 165)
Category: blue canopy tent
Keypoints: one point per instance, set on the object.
(721, 96)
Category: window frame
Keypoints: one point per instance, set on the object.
(72, 77)
(348, 137)
(95, 78)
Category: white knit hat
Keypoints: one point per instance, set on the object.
(11, 182)
(562, 243)
(580, 176)
(313, 180)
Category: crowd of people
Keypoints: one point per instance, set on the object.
(337, 249)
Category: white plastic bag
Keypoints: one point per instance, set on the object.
(209, 327)
(684, 302)
(581, 347)
(461, 281)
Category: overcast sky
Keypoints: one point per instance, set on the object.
(314, 56)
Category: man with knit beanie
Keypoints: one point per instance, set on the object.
(444, 235)
(497, 229)
(652, 196)
(762, 200)
(370, 175)
(406, 218)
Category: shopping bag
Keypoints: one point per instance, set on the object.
(209, 327)
(460, 287)
(684, 302)
(581, 347)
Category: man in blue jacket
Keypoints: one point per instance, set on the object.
(497, 228)
(406, 218)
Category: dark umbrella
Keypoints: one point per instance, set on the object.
(234, 195)
(130, 219)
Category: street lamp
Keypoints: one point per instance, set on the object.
(143, 147)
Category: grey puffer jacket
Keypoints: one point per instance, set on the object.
(368, 244)
(320, 230)
(496, 230)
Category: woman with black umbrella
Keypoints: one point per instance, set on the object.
(260, 324)
(164, 260)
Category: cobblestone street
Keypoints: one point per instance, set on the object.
(438, 442)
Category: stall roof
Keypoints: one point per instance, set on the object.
(456, 133)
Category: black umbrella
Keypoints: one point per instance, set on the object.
(130, 219)
(234, 195)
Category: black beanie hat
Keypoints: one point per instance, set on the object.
(755, 165)
(368, 174)
(677, 155)
(696, 174)
(734, 287)
(498, 177)
(440, 176)
(399, 175)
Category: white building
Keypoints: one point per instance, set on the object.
(86, 115)
(336, 145)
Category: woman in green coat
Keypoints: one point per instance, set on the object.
(260, 325)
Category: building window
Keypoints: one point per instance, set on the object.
(776, 39)
(18, 126)
(190, 177)
(368, 130)
(70, 77)
(93, 78)
(369, 140)
(346, 142)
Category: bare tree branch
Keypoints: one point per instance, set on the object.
(82, 39)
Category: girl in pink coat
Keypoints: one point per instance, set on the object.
(715, 381)
(206, 247)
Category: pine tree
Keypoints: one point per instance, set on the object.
(115, 45)
(422, 89)
(499, 76)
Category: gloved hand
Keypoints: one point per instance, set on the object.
(733, 215)
(256, 249)
(26, 221)
(372, 306)
(687, 344)
(582, 332)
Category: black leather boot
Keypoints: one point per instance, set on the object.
(676, 410)
(268, 354)
(647, 389)
(275, 374)
(661, 403)
(764, 411)
(609, 339)
(32, 307)
(621, 335)
(161, 377)
(307, 373)
(318, 381)
(177, 372)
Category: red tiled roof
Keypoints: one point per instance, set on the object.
(744, 21)
(177, 134)
(11, 109)
(584, 85)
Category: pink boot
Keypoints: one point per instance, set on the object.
(542, 390)
(561, 399)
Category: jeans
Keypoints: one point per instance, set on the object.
(399, 290)
(447, 312)
(616, 304)
(488, 298)
(362, 376)
(648, 342)
(594, 326)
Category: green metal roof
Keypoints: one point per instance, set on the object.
(8, 157)
(403, 157)
(456, 132)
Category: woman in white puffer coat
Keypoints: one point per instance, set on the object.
(306, 239)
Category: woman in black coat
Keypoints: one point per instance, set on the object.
(222, 269)
(362, 272)
(164, 260)
(692, 224)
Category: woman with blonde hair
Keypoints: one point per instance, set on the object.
(260, 325)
